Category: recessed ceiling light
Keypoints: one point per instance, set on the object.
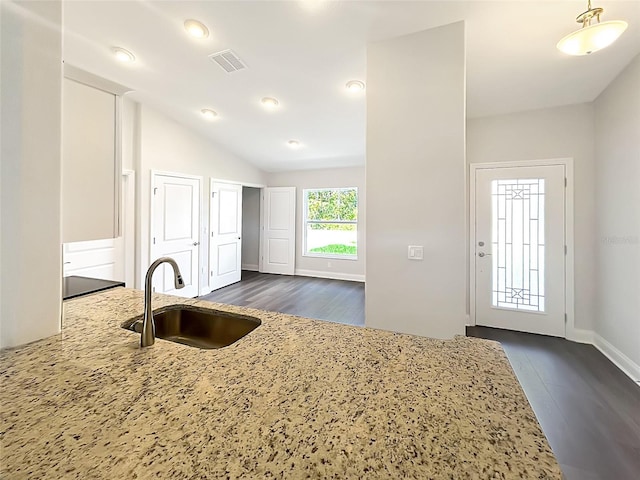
(293, 144)
(355, 86)
(270, 102)
(196, 29)
(209, 114)
(123, 55)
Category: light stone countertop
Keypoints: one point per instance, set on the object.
(295, 398)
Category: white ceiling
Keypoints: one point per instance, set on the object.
(303, 53)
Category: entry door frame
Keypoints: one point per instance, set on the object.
(152, 248)
(569, 299)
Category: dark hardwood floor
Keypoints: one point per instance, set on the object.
(332, 300)
(589, 410)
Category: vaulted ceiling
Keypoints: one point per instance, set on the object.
(304, 52)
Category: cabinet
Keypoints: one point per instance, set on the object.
(91, 166)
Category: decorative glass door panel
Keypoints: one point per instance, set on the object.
(517, 231)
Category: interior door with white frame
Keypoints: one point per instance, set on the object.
(225, 244)
(279, 230)
(519, 250)
(175, 231)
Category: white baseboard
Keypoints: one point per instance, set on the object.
(249, 266)
(619, 359)
(205, 290)
(332, 275)
(579, 335)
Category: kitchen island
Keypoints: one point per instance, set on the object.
(295, 398)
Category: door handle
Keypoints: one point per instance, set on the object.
(482, 254)
(238, 238)
(195, 244)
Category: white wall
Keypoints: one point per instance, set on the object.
(168, 146)
(130, 133)
(415, 178)
(250, 228)
(544, 134)
(617, 325)
(30, 103)
(327, 178)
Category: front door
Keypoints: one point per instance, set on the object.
(175, 232)
(225, 249)
(520, 248)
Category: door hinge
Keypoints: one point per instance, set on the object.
(565, 249)
(213, 194)
(154, 240)
(155, 190)
(565, 318)
(565, 181)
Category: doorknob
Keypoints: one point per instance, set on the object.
(482, 254)
(195, 244)
(238, 238)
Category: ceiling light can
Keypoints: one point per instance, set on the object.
(209, 114)
(270, 102)
(123, 55)
(293, 144)
(355, 86)
(196, 29)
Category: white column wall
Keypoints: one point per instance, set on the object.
(415, 177)
(30, 176)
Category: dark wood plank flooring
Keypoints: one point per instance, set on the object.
(320, 298)
(589, 410)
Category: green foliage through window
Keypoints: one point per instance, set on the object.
(336, 249)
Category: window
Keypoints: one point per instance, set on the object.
(331, 222)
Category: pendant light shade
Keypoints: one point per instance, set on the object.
(591, 38)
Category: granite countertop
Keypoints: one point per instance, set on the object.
(296, 398)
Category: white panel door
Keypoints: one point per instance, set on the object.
(225, 246)
(175, 232)
(279, 230)
(520, 248)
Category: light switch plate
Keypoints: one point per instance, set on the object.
(416, 252)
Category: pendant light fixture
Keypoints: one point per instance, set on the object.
(591, 38)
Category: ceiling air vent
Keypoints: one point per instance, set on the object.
(228, 61)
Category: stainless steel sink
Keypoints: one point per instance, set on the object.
(198, 327)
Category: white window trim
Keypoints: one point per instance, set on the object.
(305, 220)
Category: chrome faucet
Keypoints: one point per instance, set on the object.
(148, 336)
